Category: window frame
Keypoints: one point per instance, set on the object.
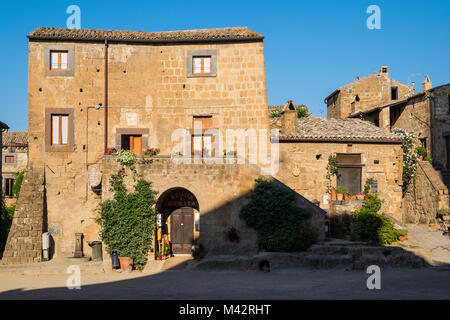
(60, 129)
(59, 63)
(191, 54)
(6, 179)
(396, 91)
(49, 146)
(69, 71)
(5, 155)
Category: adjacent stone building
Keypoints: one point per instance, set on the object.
(3, 128)
(426, 114)
(14, 160)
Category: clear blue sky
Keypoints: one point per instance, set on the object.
(311, 47)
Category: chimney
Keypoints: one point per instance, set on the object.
(413, 87)
(289, 117)
(384, 70)
(426, 85)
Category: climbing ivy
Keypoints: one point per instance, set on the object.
(270, 209)
(128, 220)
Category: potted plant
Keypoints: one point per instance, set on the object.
(360, 196)
(444, 214)
(340, 193)
(126, 264)
(347, 196)
(232, 235)
(422, 152)
(333, 194)
(402, 234)
(198, 252)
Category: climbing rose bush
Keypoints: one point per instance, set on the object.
(410, 156)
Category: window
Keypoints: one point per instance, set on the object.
(9, 182)
(9, 159)
(353, 107)
(201, 65)
(394, 93)
(202, 142)
(132, 142)
(60, 129)
(58, 60)
(350, 170)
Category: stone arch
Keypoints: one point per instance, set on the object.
(178, 208)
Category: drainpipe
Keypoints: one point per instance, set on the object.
(106, 94)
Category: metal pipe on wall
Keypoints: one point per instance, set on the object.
(106, 94)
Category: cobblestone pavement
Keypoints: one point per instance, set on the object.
(432, 240)
(424, 283)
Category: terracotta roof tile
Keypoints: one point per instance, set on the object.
(15, 139)
(313, 128)
(220, 34)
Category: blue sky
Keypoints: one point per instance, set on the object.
(311, 47)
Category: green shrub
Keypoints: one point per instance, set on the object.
(421, 151)
(372, 226)
(270, 209)
(340, 190)
(18, 184)
(302, 113)
(288, 238)
(429, 159)
(275, 114)
(128, 221)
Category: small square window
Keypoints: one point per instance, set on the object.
(201, 65)
(58, 60)
(9, 159)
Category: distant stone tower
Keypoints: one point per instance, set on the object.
(426, 85)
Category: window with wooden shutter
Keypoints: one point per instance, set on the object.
(9, 159)
(58, 60)
(201, 65)
(60, 129)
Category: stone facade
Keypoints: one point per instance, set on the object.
(15, 150)
(365, 93)
(422, 198)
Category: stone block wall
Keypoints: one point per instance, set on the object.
(24, 244)
(422, 200)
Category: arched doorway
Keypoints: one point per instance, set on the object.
(178, 207)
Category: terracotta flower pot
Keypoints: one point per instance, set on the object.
(333, 194)
(441, 192)
(340, 196)
(445, 191)
(420, 158)
(346, 198)
(446, 218)
(126, 264)
(403, 238)
(353, 198)
(360, 197)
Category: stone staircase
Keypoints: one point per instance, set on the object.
(336, 254)
(24, 244)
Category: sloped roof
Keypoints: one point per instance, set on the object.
(219, 34)
(313, 128)
(15, 139)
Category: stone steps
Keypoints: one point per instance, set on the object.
(52, 268)
(321, 256)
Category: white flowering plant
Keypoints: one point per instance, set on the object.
(410, 156)
(126, 158)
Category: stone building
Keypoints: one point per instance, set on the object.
(200, 97)
(426, 114)
(3, 128)
(363, 150)
(365, 93)
(14, 160)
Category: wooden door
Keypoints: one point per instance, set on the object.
(448, 152)
(136, 144)
(182, 230)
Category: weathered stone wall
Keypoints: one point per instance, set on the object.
(440, 124)
(149, 89)
(303, 168)
(422, 199)
(373, 90)
(220, 189)
(24, 244)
